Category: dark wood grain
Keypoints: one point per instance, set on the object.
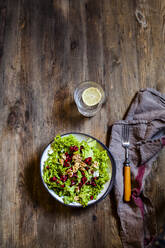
(46, 49)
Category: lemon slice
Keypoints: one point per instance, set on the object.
(91, 96)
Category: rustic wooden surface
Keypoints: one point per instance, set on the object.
(46, 49)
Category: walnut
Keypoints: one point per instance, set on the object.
(76, 167)
(95, 164)
(77, 189)
(76, 198)
(83, 164)
(69, 172)
(63, 156)
(77, 164)
(90, 171)
(61, 161)
(82, 168)
(76, 157)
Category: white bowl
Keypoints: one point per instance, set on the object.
(111, 170)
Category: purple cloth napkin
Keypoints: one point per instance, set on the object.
(145, 117)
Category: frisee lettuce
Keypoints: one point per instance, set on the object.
(54, 169)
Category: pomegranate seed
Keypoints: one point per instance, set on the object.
(87, 168)
(58, 182)
(64, 178)
(95, 178)
(88, 183)
(85, 161)
(69, 159)
(80, 185)
(91, 197)
(53, 179)
(47, 167)
(72, 148)
(66, 154)
(88, 160)
(66, 164)
(75, 175)
(73, 182)
(84, 179)
(83, 173)
(92, 171)
(62, 186)
(75, 148)
(93, 184)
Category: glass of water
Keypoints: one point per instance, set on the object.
(89, 97)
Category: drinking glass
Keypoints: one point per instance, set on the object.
(84, 109)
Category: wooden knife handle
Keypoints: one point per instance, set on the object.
(127, 183)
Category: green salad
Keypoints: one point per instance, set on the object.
(76, 170)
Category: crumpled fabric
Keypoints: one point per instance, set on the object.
(145, 117)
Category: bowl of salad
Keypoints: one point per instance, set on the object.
(77, 169)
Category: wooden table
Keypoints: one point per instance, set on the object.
(46, 49)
